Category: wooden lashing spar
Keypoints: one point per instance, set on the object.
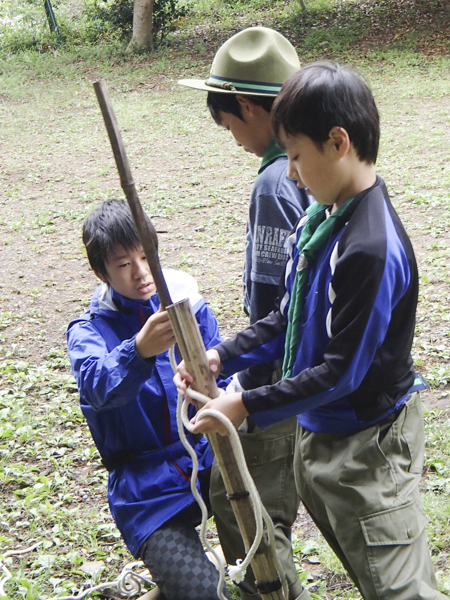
(192, 350)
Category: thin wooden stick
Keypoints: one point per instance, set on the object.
(146, 231)
(192, 350)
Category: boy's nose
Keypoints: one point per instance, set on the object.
(292, 172)
(140, 270)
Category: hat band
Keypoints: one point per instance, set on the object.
(241, 85)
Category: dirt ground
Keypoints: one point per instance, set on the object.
(46, 280)
(56, 164)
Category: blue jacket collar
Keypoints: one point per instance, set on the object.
(106, 302)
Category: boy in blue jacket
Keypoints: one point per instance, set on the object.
(344, 328)
(118, 354)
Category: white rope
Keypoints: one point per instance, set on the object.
(182, 417)
(236, 572)
(5, 569)
(128, 583)
(3, 580)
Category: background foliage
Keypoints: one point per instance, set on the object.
(24, 25)
(326, 26)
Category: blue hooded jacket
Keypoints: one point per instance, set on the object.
(130, 406)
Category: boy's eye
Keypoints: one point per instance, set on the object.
(123, 265)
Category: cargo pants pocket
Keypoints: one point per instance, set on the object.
(414, 433)
(397, 552)
(400, 525)
(402, 442)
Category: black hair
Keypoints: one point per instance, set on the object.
(227, 103)
(324, 95)
(106, 227)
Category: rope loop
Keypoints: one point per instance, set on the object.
(262, 518)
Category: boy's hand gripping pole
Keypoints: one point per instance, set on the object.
(193, 352)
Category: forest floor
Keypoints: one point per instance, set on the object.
(56, 165)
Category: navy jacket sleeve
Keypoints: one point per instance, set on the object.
(261, 342)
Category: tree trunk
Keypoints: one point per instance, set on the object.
(142, 25)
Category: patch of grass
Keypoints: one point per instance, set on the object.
(348, 27)
(316, 551)
(331, 40)
(437, 485)
(42, 443)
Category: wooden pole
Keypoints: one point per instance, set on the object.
(192, 350)
(146, 231)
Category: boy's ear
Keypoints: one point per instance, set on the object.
(246, 105)
(340, 140)
(101, 277)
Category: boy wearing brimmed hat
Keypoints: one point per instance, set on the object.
(246, 75)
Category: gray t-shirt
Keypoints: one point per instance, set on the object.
(276, 205)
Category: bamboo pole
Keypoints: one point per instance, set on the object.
(192, 350)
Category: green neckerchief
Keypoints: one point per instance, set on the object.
(315, 233)
(273, 151)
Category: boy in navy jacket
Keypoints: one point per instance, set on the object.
(118, 353)
(344, 328)
(246, 75)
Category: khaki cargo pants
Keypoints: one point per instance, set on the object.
(362, 490)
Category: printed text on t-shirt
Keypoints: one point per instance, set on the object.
(269, 246)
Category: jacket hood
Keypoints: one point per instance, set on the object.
(181, 285)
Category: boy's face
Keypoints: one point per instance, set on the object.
(129, 274)
(319, 170)
(253, 131)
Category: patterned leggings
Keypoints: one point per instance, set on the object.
(177, 562)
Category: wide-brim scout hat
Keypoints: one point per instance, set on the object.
(254, 62)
